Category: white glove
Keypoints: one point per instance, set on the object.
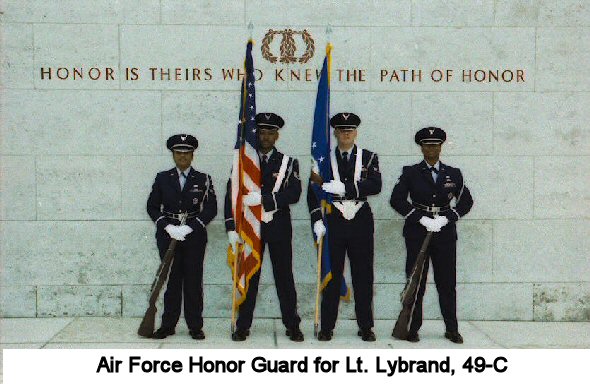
(430, 224)
(234, 239)
(252, 198)
(319, 229)
(184, 230)
(335, 187)
(441, 221)
(174, 232)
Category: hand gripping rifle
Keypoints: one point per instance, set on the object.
(146, 328)
(410, 293)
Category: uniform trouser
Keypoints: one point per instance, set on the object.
(281, 257)
(355, 239)
(186, 276)
(444, 260)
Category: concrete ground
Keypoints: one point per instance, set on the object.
(91, 332)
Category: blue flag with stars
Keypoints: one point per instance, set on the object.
(320, 151)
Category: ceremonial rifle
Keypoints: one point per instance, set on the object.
(146, 328)
(410, 292)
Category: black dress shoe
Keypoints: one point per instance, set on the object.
(240, 334)
(325, 335)
(367, 334)
(197, 334)
(454, 336)
(294, 334)
(413, 337)
(163, 333)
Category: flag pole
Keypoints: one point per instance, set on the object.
(321, 239)
(316, 321)
(239, 210)
(234, 287)
(238, 222)
(240, 213)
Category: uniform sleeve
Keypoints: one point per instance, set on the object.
(285, 196)
(399, 199)
(154, 204)
(313, 204)
(463, 204)
(366, 187)
(209, 208)
(230, 224)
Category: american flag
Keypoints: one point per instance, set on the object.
(246, 177)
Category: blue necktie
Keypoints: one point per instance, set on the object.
(182, 180)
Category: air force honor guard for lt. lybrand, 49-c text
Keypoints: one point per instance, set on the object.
(183, 191)
(350, 223)
(439, 198)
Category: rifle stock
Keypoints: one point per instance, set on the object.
(408, 297)
(146, 328)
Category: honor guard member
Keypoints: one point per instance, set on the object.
(281, 187)
(350, 221)
(438, 198)
(179, 190)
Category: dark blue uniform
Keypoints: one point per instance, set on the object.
(277, 234)
(164, 204)
(427, 197)
(353, 237)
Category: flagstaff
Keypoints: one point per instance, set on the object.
(263, 184)
(242, 221)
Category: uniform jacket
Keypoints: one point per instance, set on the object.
(198, 195)
(288, 193)
(416, 183)
(369, 184)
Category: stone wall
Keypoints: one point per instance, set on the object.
(78, 156)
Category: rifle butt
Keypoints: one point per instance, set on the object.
(146, 328)
(401, 328)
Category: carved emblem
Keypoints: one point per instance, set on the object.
(288, 47)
